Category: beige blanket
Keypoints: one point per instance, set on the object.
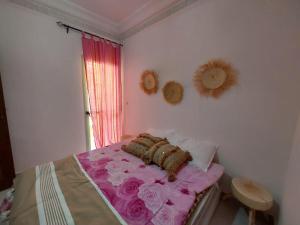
(59, 194)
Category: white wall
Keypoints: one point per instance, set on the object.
(254, 121)
(291, 196)
(41, 74)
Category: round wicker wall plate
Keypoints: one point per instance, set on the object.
(149, 82)
(214, 77)
(173, 92)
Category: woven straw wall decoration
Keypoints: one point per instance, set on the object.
(173, 92)
(149, 82)
(214, 77)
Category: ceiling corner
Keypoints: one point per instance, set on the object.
(75, 15)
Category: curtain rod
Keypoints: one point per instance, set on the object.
(68, 27)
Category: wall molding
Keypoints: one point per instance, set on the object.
(68, 13)
(76, 15)
(157, 16)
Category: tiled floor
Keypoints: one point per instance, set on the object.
(2, 195)
(225, 213)
(231, 212)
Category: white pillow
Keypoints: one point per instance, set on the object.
(177, 139)
(203, 152)
(161, 133)
(173, 137)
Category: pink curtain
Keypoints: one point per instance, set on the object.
(103, 74)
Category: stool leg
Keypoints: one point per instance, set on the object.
(226, 196)
(252, 217)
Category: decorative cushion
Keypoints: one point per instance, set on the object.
(203, 152)
(162, 153)
(168, 157)
(141, 144)
(148, 155)
(135, 148)
(144, 141)
(152, 138)
(175, 161)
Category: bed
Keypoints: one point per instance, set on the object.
(110, 186)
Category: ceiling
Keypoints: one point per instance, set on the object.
(115, 10)
(115, 19)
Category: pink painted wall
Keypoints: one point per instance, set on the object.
(254, 122)
(41, 73)
(291, 195)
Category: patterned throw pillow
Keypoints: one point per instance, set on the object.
(168, 157)
(175, 161)
(162, 153)
(140, 145)
(149, 136)
(148, 156)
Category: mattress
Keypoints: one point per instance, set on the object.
(109, 186)
(206, 207)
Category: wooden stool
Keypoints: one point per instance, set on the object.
(252, 195)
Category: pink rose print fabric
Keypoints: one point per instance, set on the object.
(153, 196)
(142, 194)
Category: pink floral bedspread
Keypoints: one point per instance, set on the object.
(142, 194)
